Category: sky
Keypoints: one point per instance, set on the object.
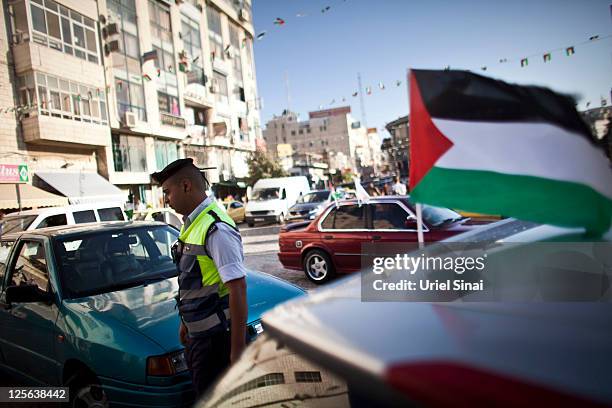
(321, 53)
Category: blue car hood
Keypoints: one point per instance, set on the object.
(151, 310)
(305, 206)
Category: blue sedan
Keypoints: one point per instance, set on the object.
(92, 308)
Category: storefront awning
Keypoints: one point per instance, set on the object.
(30, 197)
(83, 187)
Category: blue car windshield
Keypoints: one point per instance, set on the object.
(115, 259)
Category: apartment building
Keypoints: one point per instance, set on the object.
(123, 87)
(333, 133)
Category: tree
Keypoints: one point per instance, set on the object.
(262, 166)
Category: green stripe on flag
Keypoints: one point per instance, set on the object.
(528, 198)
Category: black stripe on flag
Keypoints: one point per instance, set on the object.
(462, 95)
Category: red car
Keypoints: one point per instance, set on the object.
(332, 242)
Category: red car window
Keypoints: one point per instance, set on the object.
(389, 216)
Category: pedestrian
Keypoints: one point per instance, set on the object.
(372, 190)
(398, 188)
(212, 287)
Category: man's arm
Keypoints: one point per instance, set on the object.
(238, 316)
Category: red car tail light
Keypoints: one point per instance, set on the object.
(449, 384)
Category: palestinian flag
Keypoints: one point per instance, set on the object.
(482, 145)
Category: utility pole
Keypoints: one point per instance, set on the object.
(364, 120)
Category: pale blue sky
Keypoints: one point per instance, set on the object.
(323, 52)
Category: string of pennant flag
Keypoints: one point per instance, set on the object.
(523, 62)
(25, 108)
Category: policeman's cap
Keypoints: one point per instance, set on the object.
(174, 167)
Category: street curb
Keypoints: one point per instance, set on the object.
(269, 230)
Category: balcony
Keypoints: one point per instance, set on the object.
(50, 130)
(30, 56)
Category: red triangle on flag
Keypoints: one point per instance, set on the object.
(427, 143)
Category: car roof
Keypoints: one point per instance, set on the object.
(67, 230)
(59, 210)
(335, 328)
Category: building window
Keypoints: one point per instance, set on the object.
(190, 31)
(220, 83)
(62, 98)
(58, 27)
(293, 133)
(215, 35)
(161, 37)
(168, 103)
(165, 153)
(235, 51)
(307, 376)
(126, 61)
(129, 153)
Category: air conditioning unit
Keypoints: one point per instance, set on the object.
(111, 46)
(214, 86)
(243, 15)
(130, 119)
(109, 30)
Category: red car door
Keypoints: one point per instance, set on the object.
(343, 232)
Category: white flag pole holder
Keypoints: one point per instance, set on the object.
(419, 214)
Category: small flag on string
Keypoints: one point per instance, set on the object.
(299, 15)
(593, 38)
(195, 59)
(119, 84)
(343, 99)
(97, 91)
(604, 102)
(398, 83)
(381, 86)
(279, 21)
(183, 66)
(547, 57)
(355, 94)
(227, 48)
(483, 68)
(146, 77)
(78, 97)
(158, 72)
(107, 88)
(244, 42)
(148, 56)
(503, 60)
(588, 104)
(261, 35)
(213, 55)
(89, 94)
(170, 68)
(569, 51)
(524, 62)
(325, 9)
(368, 90)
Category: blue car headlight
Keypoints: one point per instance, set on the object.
(167, 365)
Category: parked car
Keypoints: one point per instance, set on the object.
(165, 214)
(93, 308)
(332, 242)
(235, 209)
(271, 198)
(309, 205)
(68, 215)
(332, 349)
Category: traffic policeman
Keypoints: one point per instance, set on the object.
(212, 286)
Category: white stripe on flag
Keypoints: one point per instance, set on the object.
(529, 149)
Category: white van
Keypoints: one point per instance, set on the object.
(68, 215)
(271, 198)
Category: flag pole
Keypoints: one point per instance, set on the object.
(419, 214)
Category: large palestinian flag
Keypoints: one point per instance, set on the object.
(478, 144)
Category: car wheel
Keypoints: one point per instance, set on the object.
(251, 224)
(318, 266)
(85, 392)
